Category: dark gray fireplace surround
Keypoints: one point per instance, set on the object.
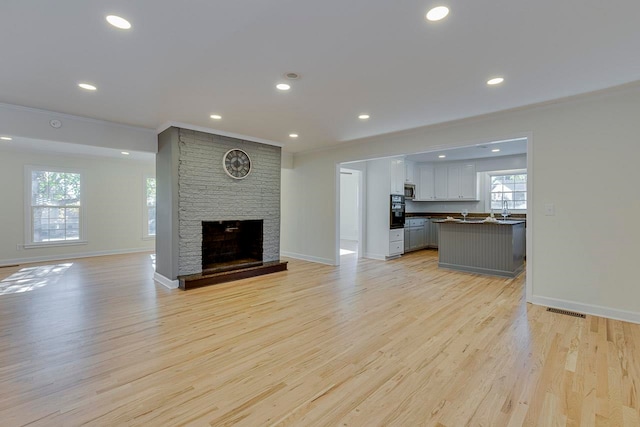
(193, 189)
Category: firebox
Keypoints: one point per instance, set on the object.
(230, 245)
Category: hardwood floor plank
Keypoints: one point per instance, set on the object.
(397, 343)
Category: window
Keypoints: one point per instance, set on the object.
(510, 191)
(150, 207)
(55, 211)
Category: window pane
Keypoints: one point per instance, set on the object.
(51, 193)
(72, 223)
(510, 190)
(40, 220)
(55, 188)
(151, 191)
(151, 225)
(496, 205)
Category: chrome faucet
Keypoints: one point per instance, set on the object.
(505, 209)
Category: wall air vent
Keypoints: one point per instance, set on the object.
(566, 312)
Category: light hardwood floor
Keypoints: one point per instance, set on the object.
(398, 343)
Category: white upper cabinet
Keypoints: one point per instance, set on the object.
(440, 180)
(397, 176)
(461, 182)
(447, 181)
(425, 187)
(453, 182)
(410, 168)
(468, 182)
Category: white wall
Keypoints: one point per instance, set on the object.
(482, 167)
(349, 204)
(114, 194)
(584, 148)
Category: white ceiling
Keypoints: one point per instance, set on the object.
(185, 60)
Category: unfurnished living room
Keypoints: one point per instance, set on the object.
(363, 213)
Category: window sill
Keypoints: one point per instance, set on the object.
(55, 244)
(148, 237)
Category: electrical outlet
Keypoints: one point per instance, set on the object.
(549, 209)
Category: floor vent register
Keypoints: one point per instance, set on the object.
(566, 312)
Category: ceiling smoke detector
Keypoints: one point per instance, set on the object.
(291, 76)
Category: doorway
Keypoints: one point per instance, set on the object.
(350, 214)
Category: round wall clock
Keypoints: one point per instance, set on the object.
(236, 163)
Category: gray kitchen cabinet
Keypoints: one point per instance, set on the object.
(415, 232)
(427, 232)
(407, 239)
(433, 234)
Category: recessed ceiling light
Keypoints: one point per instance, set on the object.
(87, 86)
(495, 81)
(291, 76)
(118, 22)
(6, 138)
(216, 116)
(363, 116)
(293, 135)
(283, 86)
(437, 13)
(441, 156)
(126, 153)
(495, 150)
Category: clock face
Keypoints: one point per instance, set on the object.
(236, 163)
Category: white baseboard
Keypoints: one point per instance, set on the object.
(164, 281)
(60, 257)
(374, 256)
(595, 310)
(310, 258)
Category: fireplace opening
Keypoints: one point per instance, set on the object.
(231, 245)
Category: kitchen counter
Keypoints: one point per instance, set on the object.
(476, 221)
(479, 247)
(472, 215)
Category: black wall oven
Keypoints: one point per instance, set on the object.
(397, 211)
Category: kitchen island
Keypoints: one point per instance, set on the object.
(494, 248)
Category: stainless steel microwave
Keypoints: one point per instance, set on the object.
(409, 191)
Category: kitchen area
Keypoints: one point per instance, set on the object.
(469, 204)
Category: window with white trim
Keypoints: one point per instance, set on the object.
(55, 208)
(150, 207)
(508, 191)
